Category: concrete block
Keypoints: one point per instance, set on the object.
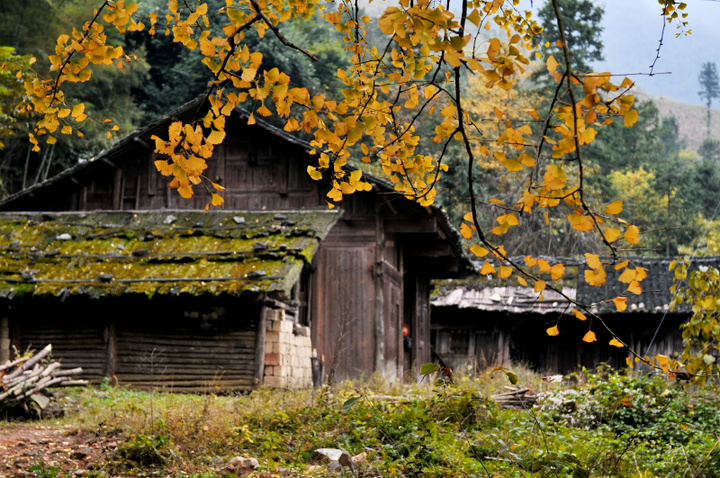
(276, 382)
(275, 314)
(272, 359)
(286, 326)
(272, 336)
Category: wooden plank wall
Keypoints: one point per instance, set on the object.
(393, 312)
(259, 172)
(76, 341)
(182, 361)
(343, 327)
(147, 345)
(474, 340)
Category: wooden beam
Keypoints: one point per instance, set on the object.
(107, 161)
(435, 268)
(138, 139)
(404, 224)
(420, 248)
(4, 340)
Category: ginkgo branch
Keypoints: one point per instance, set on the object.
(278, 34)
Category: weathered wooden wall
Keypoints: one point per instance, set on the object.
(162, 345)
(473, 340)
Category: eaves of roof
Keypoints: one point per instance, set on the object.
(488, 293)
(169, 252)
(509, 299)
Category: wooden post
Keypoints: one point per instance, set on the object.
(379, 293)
(118, 190)
(260, 347)
(4, 340)
(110, 350)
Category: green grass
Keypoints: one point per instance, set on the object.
(612, 425)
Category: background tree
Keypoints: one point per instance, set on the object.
(710, 88)
(583, 30)
(110, 95)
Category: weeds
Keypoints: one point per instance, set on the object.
(611, 424)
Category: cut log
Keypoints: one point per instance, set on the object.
(24, 382)
(518, 398)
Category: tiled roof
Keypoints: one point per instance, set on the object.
(656, 296)
(158, 252)
(512, 299)
(486, 294)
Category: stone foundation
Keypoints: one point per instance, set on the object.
(288, 352)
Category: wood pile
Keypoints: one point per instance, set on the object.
(24, 382)
(518, 398)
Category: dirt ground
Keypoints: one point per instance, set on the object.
(24, 446)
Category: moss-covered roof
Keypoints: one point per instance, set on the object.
(158, 252)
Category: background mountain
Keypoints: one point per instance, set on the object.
(691, 119)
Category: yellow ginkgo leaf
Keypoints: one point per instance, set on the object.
(635, 288)
(217, 200)
(487, 269)
(479, 251)
(216, 137)
(664, 362)
(632, 235)
(505, 272)
(579, 315)
(596, 277)
(621, 265)
(627, 276)
(314, 173)
(540, 286)
(612, 234)
(589, 337)
(593, 260)
(552, 64)
(557, 271)
(631, 117)
(614, 208)
(620, 303)
(553, 331)
(616, 343)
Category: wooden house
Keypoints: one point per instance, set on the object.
(132, 282)
(479, 323)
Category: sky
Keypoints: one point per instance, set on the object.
(632, 31)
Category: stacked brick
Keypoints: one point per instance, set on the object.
(288, 352)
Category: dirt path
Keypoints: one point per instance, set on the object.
(24, 446)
